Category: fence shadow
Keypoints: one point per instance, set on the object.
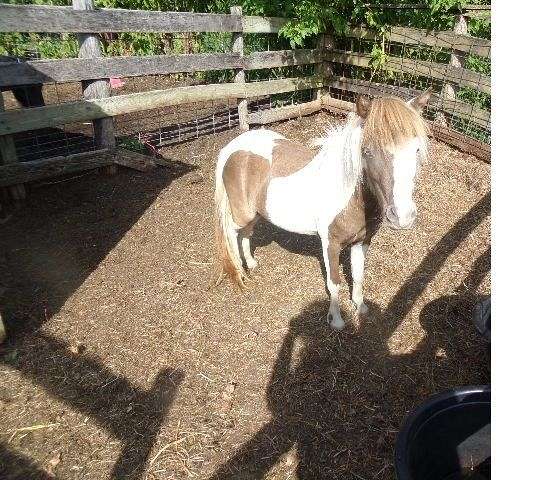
(131, 415)
(65, 230)
(339, 399)
(47, 250)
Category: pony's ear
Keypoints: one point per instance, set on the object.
(362, 105)
(420, 102)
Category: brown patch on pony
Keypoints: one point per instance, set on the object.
(357, 222)
(389, 122)
(288, 157)
(245, 178)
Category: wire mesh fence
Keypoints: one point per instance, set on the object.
(409, 62)
(147, 129)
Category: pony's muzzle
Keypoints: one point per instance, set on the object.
(400, 221)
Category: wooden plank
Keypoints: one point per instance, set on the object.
(8, 156)
(478, 14)
(134, 160)
(51, 19)
(426, 6)
(90, 48)
(254, 24)
(77, 69)
(337, 106)
(439, 71)
(281, 58)
(416, 36)
(52, 167)
(452, 106)
(271, 115)
(20, 120)
(237, 48)
(464, 143)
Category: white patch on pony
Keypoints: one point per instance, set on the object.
(259, 142)
(308, 200)
(405, 168)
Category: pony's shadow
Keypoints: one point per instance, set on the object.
(339, 398)
(307, 245)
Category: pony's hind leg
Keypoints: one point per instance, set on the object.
(245, 236)
(331, 255)
(358, 251)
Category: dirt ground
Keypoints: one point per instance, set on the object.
(121, 363)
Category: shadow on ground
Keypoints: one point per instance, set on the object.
(47, 251)
(339, 399)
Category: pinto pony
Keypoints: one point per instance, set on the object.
(363, 174)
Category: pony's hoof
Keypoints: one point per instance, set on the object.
(362, 310)
(336, 322)
(251, 263)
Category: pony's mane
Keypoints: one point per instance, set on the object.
(390, 123)
(343, 142)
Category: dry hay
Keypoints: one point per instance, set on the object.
(137, 371)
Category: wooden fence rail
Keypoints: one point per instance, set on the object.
(424, 68)
(13, 121)
(54, 19)
(453, 106)
(417, 36)
(77, 69)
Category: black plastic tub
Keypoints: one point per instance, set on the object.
(447, 438)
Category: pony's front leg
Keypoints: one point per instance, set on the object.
(358, 251)
(331, 255)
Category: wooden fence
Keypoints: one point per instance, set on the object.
(93, 70)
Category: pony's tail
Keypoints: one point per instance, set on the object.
(229, 261)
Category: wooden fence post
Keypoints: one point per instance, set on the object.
(8, 155)
(323, 68)
(237, 47)
(457, 59)
(90, 47)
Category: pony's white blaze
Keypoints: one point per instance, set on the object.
(404, 172)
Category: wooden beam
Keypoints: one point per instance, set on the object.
(271, 115)
(452, 106)
(439, 71)
(281, 58)
(134, 160)
(239, 77)
(253, 24)
(461, 141)
(20, 120)
(8, 156)
(416, 36)
(426, 6)
(90, 48)
(335, 105)
(77, 69)
(52, 167)
(51, 19)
